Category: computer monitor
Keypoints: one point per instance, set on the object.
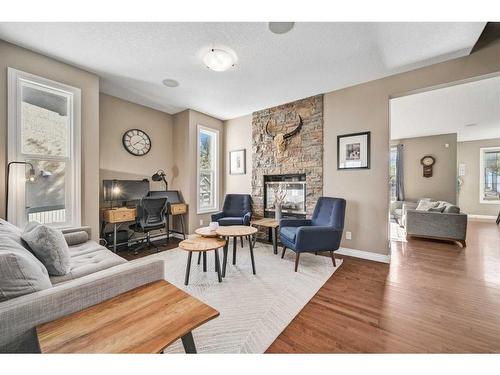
(125, 190)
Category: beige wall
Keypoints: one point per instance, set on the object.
(366, 107)
(238, 136)
(468, 196)
(117, 116)
(443, 183)
(185, 161)
(31, 62)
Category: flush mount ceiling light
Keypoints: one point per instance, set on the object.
(281, 27)
(170, 82)
(219, 60)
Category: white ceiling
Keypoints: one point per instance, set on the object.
(472, 110)
(132, 59)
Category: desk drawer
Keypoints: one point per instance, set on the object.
(120, 216)
(178, 208)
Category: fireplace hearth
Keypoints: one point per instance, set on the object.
(294, 204)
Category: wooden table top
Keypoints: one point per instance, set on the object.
(236, 231)
(267, 222)
(202, 244)
(143, 320)
(206, 232)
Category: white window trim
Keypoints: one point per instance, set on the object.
(482, 150)
(216, 182)
(16, 194)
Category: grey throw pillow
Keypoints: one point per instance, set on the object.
(48, 245)
(76, 238)
(20, 272)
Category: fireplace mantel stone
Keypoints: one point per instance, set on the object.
(303, 154)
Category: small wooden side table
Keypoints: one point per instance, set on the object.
(202, 244)
(204, 232)
(146, 319)
(273, 225)
(236, 231)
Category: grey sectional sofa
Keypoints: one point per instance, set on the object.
(447, 223)
(96, 274)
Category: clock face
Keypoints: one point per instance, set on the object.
(428, 160)
(136, 142)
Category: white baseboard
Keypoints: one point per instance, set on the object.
(383, 258)
(481, 217)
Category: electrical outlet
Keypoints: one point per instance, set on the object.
(201, 221)
(348, 235)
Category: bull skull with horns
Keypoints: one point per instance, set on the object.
(280, 139)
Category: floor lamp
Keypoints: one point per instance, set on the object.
(31, 178)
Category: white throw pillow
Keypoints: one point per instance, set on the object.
(49, 246)
(426, 205)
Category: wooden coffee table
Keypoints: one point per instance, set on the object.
(236, 231)
(146, 319)
(273, 226)
(202, 245)
(204, 232)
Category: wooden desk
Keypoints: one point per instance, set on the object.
(144, 320)
(116, 216)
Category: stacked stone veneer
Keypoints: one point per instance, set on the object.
(303, 154)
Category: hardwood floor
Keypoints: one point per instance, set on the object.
(434, 297)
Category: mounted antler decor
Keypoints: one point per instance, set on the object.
(280, 139)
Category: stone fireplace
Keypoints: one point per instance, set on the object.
(300, 165)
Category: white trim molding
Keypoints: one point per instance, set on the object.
(368, 255)
(216, 133)
(482, 152)
(481, 217)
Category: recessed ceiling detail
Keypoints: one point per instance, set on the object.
(170, 82)
(132, 59)
(281, 27)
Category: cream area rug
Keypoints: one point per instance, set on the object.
(254, 309)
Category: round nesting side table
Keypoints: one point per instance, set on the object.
(236, 231)
(202, 244)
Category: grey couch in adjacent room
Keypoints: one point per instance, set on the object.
(96, 274)
(450, 224)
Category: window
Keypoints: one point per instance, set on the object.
(207, 169)
(44, 130)
(489, 185)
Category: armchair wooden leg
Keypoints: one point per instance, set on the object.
(283, 253)
(462, 243)
(297, 256)
(333, 258)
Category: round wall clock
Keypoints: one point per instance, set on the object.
(136, 142)
(427, 161)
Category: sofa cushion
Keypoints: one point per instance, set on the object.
(425, 205)
(87, 259)
(7, 230)
(20, 272)
(225, 221)
(451, 209)
(76, 238)
(48, 245)
(289, 232)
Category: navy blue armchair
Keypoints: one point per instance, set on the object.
(237, 210)
(322, 233)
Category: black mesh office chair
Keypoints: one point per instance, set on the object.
(151, 215)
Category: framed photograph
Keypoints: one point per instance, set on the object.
(237, 162)
(353, 151)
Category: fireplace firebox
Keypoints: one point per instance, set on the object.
(294, 204)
